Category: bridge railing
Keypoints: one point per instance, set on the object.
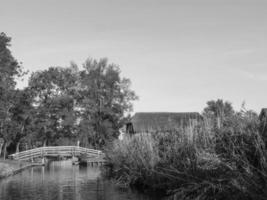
(56, 151)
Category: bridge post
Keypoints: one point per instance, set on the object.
(43, 157)
(73, 155)
(43, 160)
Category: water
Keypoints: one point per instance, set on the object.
(60, 180)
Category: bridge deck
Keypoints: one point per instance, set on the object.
(61, 151)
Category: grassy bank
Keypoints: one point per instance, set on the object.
(200, 162)
(11, 167)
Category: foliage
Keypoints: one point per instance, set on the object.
(105, 98)
(197, 162)
(218, 112)
(54, 101)
(9, 66)
(62, 105)
(263, 124)
(88, 104)
(9, 70)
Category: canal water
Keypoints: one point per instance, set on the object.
(60, 180)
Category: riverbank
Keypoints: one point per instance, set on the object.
(12, 167)
(195, 163)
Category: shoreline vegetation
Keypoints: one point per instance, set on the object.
(201, 162)
(12, 167)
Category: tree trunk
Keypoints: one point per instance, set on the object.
(17, 147)
(5, 147)
(1, 145)
(45, 143)
(218, 122)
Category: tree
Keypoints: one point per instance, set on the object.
(88, 105)
(54, 101)
(9, 70)
(105, 100)
(218, 112)
(21, 115)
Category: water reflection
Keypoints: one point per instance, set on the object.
(62, 181)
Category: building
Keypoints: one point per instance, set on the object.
(161, 121)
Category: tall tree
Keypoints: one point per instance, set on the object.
(54, 92)
(9, 69)
(106, 99)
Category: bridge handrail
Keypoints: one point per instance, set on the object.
(51, 150)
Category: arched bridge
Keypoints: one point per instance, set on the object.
(84, 154)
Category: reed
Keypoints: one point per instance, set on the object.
(197, 162)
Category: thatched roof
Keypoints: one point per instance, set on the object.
(161, 121)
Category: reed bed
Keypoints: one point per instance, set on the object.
(197, 162)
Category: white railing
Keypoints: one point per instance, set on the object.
(56, 151)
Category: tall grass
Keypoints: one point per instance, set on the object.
(198, 162)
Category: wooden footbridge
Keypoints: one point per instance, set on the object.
(84, 155)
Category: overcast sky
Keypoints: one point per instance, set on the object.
(178, 53)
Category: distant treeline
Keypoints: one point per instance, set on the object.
(61, 105)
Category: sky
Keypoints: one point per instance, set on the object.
(178, 53)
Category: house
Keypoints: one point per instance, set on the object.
(161, 121)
